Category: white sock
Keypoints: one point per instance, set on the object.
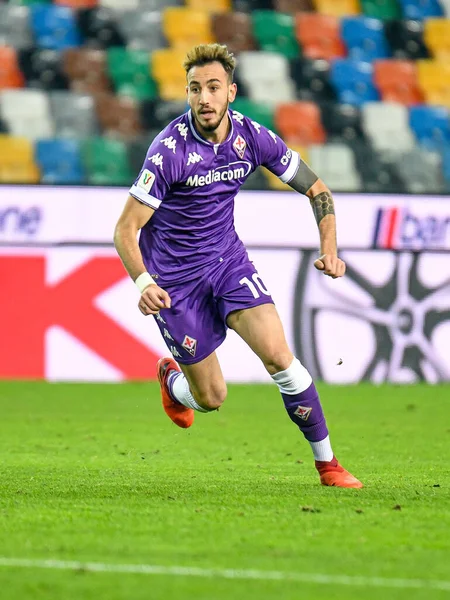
(322, 450)
(293, 380)
(179, 386)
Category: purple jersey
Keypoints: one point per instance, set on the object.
(191, 183)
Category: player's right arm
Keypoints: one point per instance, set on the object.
(134, 216)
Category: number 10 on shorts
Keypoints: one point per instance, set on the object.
(255, 285)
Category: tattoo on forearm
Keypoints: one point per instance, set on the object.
(322, 205)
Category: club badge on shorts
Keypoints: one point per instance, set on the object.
(240, 145)
(190, 344)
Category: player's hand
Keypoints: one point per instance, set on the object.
(153, 298)
(330, 265)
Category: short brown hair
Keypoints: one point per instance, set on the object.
(208, 53)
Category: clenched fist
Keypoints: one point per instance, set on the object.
(153, 298)
(330, 265)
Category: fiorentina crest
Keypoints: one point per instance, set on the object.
(303, 412)
(190, 344)
(240, 145)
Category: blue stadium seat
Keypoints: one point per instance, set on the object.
(353, 81)
(365, 38)
(431, 125)
(421, 9)
(59, 161)
(54, 27)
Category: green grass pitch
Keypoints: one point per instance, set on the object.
(98, 473)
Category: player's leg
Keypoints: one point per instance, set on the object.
(192, 330)
(261, 328)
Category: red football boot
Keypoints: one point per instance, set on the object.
(333, 474)
(180, 415)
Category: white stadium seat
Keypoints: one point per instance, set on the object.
(336, 165)
(387, 126)
(27, 113)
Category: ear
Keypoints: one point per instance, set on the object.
(232, 91)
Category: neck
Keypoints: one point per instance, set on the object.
(219, 135)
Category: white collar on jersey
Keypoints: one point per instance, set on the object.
(199, 137)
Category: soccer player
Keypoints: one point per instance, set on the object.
(193, 271)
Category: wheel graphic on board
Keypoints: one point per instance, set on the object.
(388, 318)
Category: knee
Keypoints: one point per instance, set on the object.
(212, 398)
(278, 360)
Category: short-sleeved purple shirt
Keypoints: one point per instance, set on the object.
(192, 183)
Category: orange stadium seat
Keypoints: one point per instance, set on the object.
(185, 28)
(397, 81)
(17, 160)
(234, 30)
(294, 6)
(77, 3)
(300, 123)
(10, 74)
(167, 70)
(212, 6)
(87, 70)
(319, 36)
(434, 81)
(437, 37)
(118, 115)
(338, 8)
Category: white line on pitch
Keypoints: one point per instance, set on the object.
(94, 567)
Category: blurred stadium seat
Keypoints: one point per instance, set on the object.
(386, 125)
(10, 74)
(351, 75)
(386, 10)
(54, 27)
(59, 161)
(353, 81)
(185, 28)
(336, 163)
(235, 30)
(17, 160)
(300, 122)
(397, 81)
(319, 36)
(275, 32)
(421, 9)
(15, 27)
(87, 70)
(364, 38)
(338, 8)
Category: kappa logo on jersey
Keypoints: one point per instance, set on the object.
(157, 159)
(190, 344)
(167, 334)
(272, 135)
(182, 130)
(235, 170)
(146, 180)
(257, 126)
(170, 142)
(194, 158)
(237, 116)
(303, 412)
(174, 351)
(240, 145)
(160, 319)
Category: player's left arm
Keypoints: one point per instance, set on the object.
(307, 182)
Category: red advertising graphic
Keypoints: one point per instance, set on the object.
(30, 306)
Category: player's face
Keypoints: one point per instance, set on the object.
(209, 92)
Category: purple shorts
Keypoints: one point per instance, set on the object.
(195, 325)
